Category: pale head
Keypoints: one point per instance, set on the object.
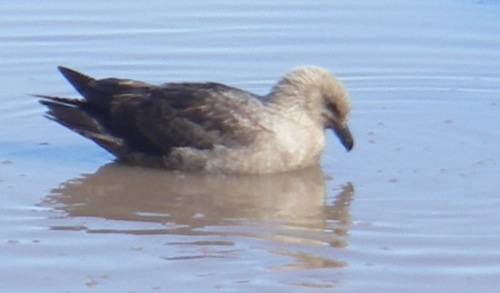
(322, 96)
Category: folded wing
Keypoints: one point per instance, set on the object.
(126, 116)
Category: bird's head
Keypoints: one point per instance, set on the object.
(336, 109)
(324, 97)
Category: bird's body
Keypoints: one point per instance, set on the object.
(208, 127)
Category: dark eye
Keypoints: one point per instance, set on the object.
(333, 109)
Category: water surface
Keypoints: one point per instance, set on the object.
(413, 208)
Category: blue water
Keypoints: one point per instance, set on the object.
(413, 208)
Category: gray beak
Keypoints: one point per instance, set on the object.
(344, 135)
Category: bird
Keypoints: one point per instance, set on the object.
(208, 127)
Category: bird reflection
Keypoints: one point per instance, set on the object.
(284, 208)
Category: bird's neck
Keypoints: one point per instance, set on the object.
(294, 102)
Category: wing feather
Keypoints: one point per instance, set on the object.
(197, 115)
(130, 117)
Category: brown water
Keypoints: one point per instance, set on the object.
(413, 208)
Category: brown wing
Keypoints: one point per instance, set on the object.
(126, 116)
(198, 115)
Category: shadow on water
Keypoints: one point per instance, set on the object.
(288, 209)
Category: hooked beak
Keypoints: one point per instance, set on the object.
(344, 135)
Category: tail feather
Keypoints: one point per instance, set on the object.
(70, 113)
(90, 117)
(79, 117)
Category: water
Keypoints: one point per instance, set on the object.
(413, 208)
